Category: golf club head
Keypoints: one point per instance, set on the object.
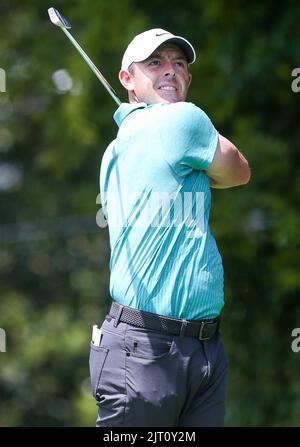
(58, 19)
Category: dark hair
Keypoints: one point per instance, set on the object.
(131, 68)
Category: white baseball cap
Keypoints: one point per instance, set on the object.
(143, 45)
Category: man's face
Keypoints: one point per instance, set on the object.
(162, 78)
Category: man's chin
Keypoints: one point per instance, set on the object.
(162, 99)
(169, 99)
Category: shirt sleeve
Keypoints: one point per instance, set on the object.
(189, 137)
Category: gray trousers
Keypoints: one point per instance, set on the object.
(143, 378)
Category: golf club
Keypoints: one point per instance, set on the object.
(64, 24)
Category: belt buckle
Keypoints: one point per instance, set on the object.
(200, 335)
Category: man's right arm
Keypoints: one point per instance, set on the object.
(229, 167)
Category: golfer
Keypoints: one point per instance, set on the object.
(158, 359)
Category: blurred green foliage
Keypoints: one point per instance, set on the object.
(54, 260)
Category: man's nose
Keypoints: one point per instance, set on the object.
(170, 73)
(169, 69)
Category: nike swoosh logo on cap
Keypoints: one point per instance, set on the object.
(161, 34)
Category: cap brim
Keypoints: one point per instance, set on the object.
(142, 53)
(186, 48)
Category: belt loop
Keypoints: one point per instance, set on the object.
(183, 328)
(117, 319)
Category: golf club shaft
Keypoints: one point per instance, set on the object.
(93, 67)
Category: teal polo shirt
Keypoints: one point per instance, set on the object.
(156, 197)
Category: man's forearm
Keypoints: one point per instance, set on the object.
(214, 184)
(229, 167)
(222, 185)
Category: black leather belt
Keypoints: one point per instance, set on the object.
(201, 329)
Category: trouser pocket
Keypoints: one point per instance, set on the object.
(97, 359)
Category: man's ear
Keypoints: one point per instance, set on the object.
(126, 80)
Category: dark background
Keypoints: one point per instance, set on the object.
(54, 258)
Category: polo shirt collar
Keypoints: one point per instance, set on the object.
(126, 109)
